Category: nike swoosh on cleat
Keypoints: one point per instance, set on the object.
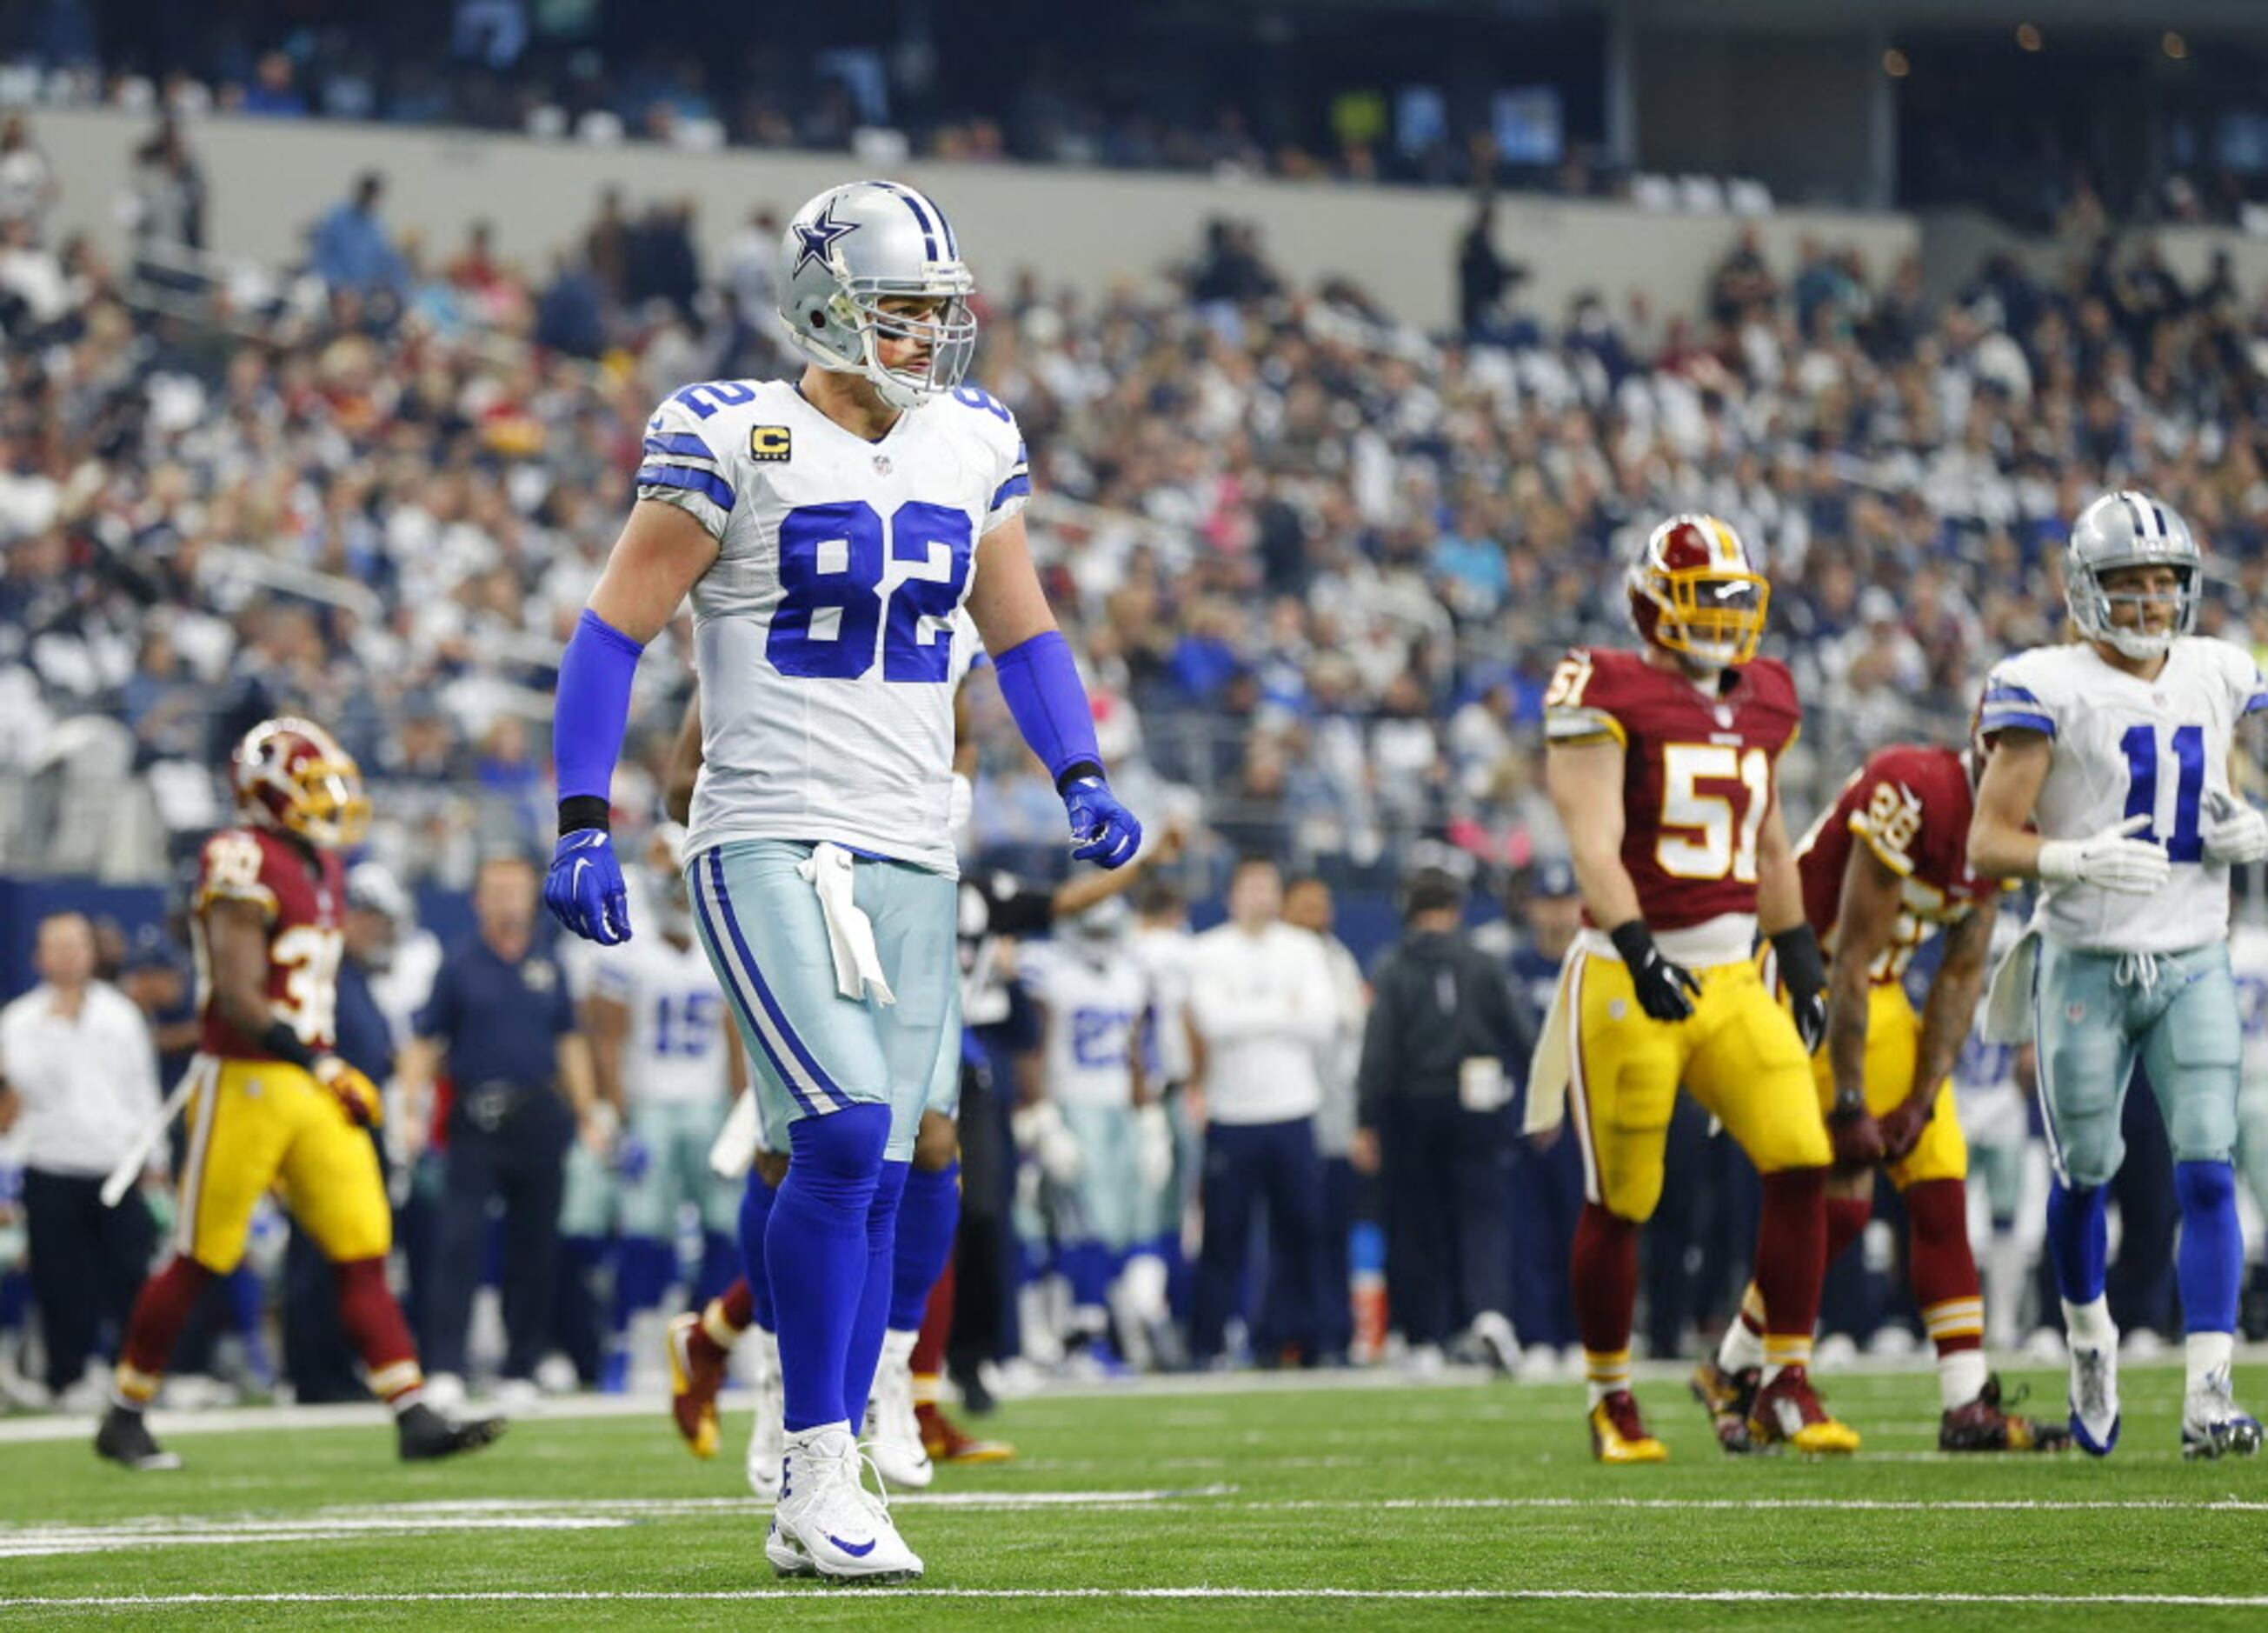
(859, 1550)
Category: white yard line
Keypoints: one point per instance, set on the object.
(1699, 1596)
(43, 1541)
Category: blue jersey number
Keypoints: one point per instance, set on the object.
(686, 1024)
(831, 561)
(1098, 1038)
(706, 398)
(2186, 843)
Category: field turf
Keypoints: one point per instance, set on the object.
(1463, 1505)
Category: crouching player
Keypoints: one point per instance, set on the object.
(1884, 868)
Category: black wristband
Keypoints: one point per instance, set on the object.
(1075, 770)
(282, 1042)
(1801, 959)
(1632, 939)
(579, 811)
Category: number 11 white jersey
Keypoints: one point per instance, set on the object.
(2127, 747)
(824, 631)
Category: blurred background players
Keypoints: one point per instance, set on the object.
(1100, 1136)
(663, 1066)
(270, 1102)
(1547, 1173)
(1438, 1078)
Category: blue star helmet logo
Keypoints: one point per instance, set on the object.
(818, 236)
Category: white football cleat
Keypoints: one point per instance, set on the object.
(893, 1435)
(2213, 1425)
(2094, 1397)
(767, 1442)
(827, 1523)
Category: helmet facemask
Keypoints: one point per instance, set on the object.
(2093, 603)
(1712, 616)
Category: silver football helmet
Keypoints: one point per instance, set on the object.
(856, 245)
(2130, 529)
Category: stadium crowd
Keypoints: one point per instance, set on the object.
(1318, 565)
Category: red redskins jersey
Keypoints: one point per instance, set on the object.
(1910, 806)
(1696, 772)
(305, 905)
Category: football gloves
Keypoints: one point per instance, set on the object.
(2236, 832)
(2113, 859)
(1666, 991)
(1903, 1127)
(585, 889)
(356, 1095)
(1102, 831)
(1039, 1132)
(1803, 972)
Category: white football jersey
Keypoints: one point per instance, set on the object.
(2127, 747)
(1095, 1008)
(824, 631)
(1164, 955)
(679, 1031)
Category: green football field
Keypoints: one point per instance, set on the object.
(1460, 1505)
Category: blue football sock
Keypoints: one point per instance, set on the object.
(756, 1207)
(865, 1353)
(928, 1214)
(2079, 1241)
(2210, 1266)
(720, 1262)
(815, 1248)
(1089, 1267)
(644, 1269)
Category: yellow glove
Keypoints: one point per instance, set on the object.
(356, 1095)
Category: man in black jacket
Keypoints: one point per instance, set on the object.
(1434, 1108)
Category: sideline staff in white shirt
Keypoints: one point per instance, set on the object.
(1263, 1004)
(81, 1071)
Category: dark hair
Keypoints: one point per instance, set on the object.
(1156, 895)
(1431, 889)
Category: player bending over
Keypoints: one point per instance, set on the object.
(1661, 764)
(827, 530)
(1883, 869)
(2119, 747)
(272, 1107)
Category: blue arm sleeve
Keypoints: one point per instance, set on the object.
(593, 709)
(1043, 692)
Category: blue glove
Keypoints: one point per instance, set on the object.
(632, 1157)
(584, 887)
(1101, 829)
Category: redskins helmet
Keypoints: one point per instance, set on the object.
(291, 775)
(1693, 591)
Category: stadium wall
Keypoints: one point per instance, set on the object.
(271, 179)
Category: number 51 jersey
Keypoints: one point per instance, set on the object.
(2125, 747)
(823, 632)
(1697, 784)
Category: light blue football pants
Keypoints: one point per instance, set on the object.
(2096, 1014)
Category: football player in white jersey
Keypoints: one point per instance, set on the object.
(660, 1047)
(2119, 748)
(1094, 997)
(827, 530)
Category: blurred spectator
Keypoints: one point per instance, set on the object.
(1485, 277)
(274, 91)
(1307, 906)
(79, 1083)
(27, 184)
(167, 203)
(1442, 1051)
(350, 248)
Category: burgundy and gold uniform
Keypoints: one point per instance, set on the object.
(1697, 783)
(255, 1121)
(1909, 806)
